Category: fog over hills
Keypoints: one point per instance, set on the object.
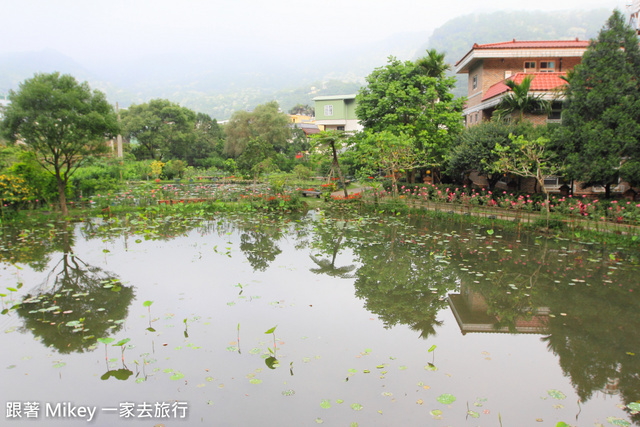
(225, 79)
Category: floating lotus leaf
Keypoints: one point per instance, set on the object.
(446, 398)
(618, 421)
(556, 394)
(177, 376)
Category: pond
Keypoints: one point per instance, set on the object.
(238, 319)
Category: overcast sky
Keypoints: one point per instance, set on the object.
(97, 30)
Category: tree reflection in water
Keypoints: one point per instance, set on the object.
(76, 304)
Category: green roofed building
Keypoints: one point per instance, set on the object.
(337, 112)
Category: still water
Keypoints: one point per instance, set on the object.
(340, 319)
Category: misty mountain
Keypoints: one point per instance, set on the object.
(15, 67)
(226, 79)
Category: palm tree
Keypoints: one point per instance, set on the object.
(433, 64)
(331, 139)
(519, 100)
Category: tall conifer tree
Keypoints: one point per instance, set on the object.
(601, 118)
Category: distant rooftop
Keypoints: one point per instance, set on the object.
(334, 97)
(533, 44)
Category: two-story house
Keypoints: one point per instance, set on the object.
(337, 112)
(489, 65)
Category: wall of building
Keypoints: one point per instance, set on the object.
(350, 109)
(339, 111)
(475, 95)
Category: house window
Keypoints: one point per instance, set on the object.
(328, 110)
(529, 66)
(340, 128)
(548, 66)
(556, 111)
(554, 181)
(475, 82)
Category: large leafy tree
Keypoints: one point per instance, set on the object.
(528, 159)
(473, 150)
(208, 140)
(392, 154)
(62, 121)
(265, 122)
(601, 119)
(413, 99)
(163, 129)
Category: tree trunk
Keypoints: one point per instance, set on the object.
(336, 165)
(540, 181)
(62, 185)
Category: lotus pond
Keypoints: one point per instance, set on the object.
(249, 319)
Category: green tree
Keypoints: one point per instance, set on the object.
(62, 121)
(520, 101)
(601, 116)
(390, 153)
(303, 109)
(163, 129)
(527, 158)
(208, 140)
(473, 150)
(266, 122)
(413, 99)
(255, 152)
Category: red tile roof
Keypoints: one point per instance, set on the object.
(542, 82)
(530, 44)
(535, 44)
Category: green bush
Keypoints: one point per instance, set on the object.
(43, 185)
(174, 169)
(302, 172)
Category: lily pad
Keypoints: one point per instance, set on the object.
(325, 404)
(473, 414)
(446, 398)
(618, 421)
(556, 394)
(356, 406)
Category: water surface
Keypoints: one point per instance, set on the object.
(378, 321)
